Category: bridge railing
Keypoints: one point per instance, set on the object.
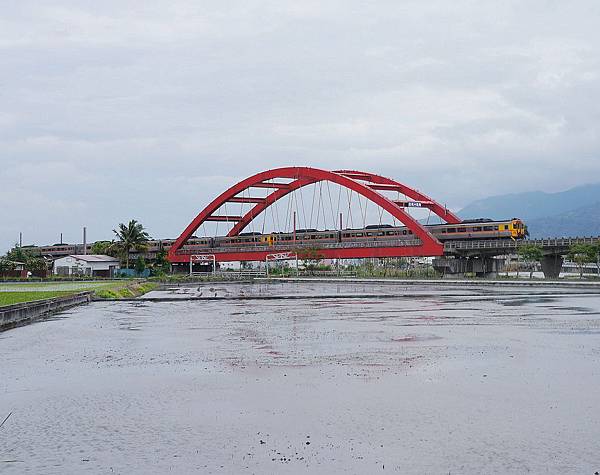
(449, 246)
(291, 245)
(510, 244)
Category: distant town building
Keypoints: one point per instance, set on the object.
(93, 265)
(234, 265)
(17, 265)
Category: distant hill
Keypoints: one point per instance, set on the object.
(533, 204)
(580, 222)
(575, 212)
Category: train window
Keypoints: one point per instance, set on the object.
(462, 230)
(495, 228)
(451, 230)
(409, 231)
(359, 234)
(477, 229)
(369, 234)
(381, 233)
(444, 231)
(404, 232)
(488, 228)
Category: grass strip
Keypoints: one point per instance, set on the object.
(125, 290)
(11, 298)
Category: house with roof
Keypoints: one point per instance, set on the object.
(92, 265)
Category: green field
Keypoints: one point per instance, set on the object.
(11, 293)
(10, 298)
(57, 286)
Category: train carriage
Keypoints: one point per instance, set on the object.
(468, 229)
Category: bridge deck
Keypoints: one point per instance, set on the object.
(502, 246)
(394, 248)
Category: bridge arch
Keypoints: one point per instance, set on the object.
(366, 184)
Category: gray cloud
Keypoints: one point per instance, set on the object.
(116, 109)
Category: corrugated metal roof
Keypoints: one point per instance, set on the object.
(94, 257)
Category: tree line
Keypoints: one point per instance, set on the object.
(580, 254)
(127, 237)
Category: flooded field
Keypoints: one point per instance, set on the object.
(340, 378)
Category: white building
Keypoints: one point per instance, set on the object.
(93, 265)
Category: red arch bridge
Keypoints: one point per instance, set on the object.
(261, 192)
(460, 246)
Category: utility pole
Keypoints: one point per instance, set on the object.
(84, 240)
(20, 239)
(294, 227)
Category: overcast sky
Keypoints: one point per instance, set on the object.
(114, 110)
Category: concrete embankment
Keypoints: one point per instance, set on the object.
(22, 313)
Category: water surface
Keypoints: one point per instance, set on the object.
(427, 380)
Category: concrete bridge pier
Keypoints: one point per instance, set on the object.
(481, 266)
(552, 265)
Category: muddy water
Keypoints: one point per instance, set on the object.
(444, 380)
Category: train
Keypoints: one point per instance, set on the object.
(469, 229)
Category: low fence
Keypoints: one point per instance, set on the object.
(22, 313)
(231, 275)
(23, 274)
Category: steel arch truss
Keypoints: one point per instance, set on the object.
(366, 184)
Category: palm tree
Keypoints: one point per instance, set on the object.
(131, 236)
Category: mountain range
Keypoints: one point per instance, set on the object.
(574, 212)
